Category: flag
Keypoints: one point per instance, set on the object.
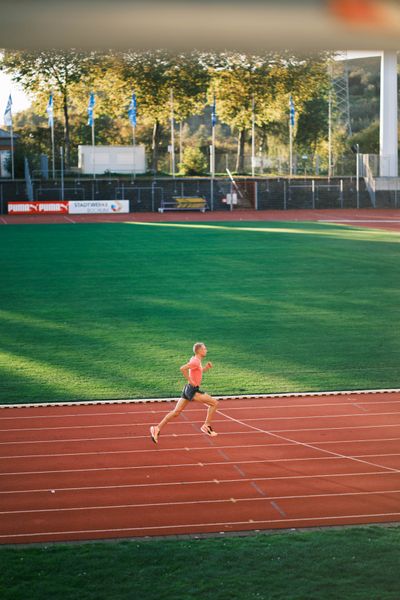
(50, 111)
(292, 111)
(132, 111)
(8, 113)
(214, 113)
(91, 105)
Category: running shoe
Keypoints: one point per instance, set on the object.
(154, 432)
(208, 430)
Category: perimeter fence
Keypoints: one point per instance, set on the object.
(151, 194)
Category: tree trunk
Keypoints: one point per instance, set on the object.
(154, 145)
(66, 132)
(240, 152)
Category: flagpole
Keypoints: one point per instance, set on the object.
(91, 106)
(212, 157)
(8, 122)
(172, 135)
(134, 150)
(12, 150)
(291, 126)
(52, 149)
(132, 120)
(50, 113)
(253, 140)
(180, 142)
(93, 155)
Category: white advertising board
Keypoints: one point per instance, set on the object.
(98, 207)
(111, 159)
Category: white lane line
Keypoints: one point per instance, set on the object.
(194, 448)
(185, 435)
(197, 502)
(359, 221)
(337, 454)
(234, 463)
(226, 461)
(250, 522)
(187, 422)
(181, 449)
(135, 424)
(201, 482)
(193, 410)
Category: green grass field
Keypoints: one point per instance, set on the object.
(112, 310)
(350, 564)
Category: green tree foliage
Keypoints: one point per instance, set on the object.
(239, 82)
(193, 162)
(153, 76)
(242, 81)
(40, 72)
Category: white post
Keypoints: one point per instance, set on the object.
(253, 138)
(330, 137)
(290, 149)
(358, 175)
(172, 135)
(388, 117)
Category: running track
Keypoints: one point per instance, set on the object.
(387, 219)
(84, 472)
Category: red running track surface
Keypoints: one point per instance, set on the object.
(387, 219)
(84, 472)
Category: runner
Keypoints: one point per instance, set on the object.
(193, 373)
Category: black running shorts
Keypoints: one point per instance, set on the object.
(190, 390)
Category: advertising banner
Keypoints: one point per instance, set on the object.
(98, 207)
(37, 208)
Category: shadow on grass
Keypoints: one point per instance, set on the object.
(111, 311)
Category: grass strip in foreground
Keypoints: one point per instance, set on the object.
(350, 564)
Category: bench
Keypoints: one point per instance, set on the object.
(185, 203)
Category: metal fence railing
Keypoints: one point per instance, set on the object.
(221, 193)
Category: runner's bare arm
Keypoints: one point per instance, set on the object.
(185, 372)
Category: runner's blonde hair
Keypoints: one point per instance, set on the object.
(197, 346)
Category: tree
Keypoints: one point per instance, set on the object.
(193, 162)
(239, 80)
(313, 123)
(40, 72)
(153, 75)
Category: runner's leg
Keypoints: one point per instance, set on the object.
(173, 414)
(212, 404)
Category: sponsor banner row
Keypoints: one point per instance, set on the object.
(72, 207)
